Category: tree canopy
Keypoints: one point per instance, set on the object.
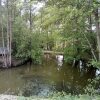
(69, 26)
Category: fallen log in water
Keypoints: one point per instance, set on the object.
(53, 52)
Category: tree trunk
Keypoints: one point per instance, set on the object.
(98, 32)
(30, 17)
(3, 40)
(3, 45)
(9, 32)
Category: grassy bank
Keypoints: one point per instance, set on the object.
(56, 97)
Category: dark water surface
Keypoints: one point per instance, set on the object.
(40, 80)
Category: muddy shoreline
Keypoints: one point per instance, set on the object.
(15, 63)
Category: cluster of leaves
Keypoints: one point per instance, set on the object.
(69, 22)
(61, 96)
(93, 87)
(64, 96)
(61, 25)
(94, 63)
(26, 44)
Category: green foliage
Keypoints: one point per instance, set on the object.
(64, 96)
(70, 53)
(76, 51)
(60, 25)
(26, 43)
(69, 20)
(95, 64)
(93, 87)
(36, 50)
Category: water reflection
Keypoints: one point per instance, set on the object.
(97, 72)
(59, 59)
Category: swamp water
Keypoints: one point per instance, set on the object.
(43, 79)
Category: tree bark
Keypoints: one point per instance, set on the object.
(3, 40)
(98, 32)
(3, 45)
(30, 17)
(9, 32)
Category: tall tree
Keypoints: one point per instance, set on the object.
(97, 31)
(9, 31)
(2, 38)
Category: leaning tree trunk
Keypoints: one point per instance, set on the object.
(98, 32)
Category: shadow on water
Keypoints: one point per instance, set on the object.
(52, 75)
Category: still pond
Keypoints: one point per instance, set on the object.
(52, 75)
